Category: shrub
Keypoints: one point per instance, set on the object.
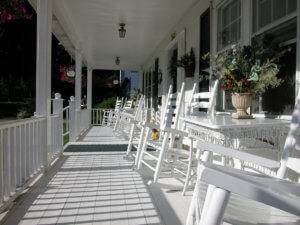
(108, 103)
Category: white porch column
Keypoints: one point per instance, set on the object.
(89, 87)
(43, 70)
(78, 79)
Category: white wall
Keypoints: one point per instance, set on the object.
(191, 24)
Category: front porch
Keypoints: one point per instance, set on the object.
(99, 188)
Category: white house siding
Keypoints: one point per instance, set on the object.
(190, 24)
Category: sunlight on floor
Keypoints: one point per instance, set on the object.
(93, 188)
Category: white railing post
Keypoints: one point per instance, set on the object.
(72, 119)
(57, 110)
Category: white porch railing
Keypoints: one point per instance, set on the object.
(25, 149)
(97, 117)
(22, 154)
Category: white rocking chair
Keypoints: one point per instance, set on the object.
(185, 162)
(110, 114)
(168, 131)
(155, 121)
(127, 117)
(262, 199)
(137, 131)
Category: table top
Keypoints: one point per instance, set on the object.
(227, 122)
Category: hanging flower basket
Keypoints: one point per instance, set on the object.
(189, 72)
(11, 10)
(188, 62)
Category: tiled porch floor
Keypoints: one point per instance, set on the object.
(98, 188)
(101, 135)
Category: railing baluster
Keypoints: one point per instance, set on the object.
(13, 159)
(6, 161)
(34, 147)
(1, 166)
(31, 171)
(18, 156)
(26, 151)
(23, 153)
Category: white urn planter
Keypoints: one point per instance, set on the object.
(241, 102)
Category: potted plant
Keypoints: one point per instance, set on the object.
(188, 62)
(244, 72)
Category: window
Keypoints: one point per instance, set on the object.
(273, 101)
(148, 89)
(204, 49)
(229, 24)
(266, 12)
(155, 85)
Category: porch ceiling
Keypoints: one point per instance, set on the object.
(93, 26)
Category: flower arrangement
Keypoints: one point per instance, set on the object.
(246, 70)
(188, 62)
(11, 10)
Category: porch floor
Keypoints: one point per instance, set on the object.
(102, 136)
(99, 188)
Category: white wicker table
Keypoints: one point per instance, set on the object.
(238, 134)
(224, 130)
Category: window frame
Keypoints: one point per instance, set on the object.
(223, 4)
(274, 23)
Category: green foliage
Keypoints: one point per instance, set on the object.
(108, 103)
(245, 69)
(11, 10)
(188, 62)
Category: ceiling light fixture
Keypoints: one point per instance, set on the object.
(117, 60)
(122, 30)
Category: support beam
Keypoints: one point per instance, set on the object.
(89, 87)
(78, 80)
(43, 57)
(43, 72)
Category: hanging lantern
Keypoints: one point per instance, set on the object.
(117, 61)
(122, 30)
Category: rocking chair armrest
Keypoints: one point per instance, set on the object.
(151, 125)
(271, 191)
(175, 131)
(238, 154)
(128, 115)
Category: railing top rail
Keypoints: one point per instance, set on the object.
(66, 108)
(14, 123)
(54, 115)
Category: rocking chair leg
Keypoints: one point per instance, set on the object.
(160, 158)
(143, 148)
(188, 174)
(140, 146)
(129, 147)
(214, 211)
(192, 215)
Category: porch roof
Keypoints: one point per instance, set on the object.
(92, 26)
